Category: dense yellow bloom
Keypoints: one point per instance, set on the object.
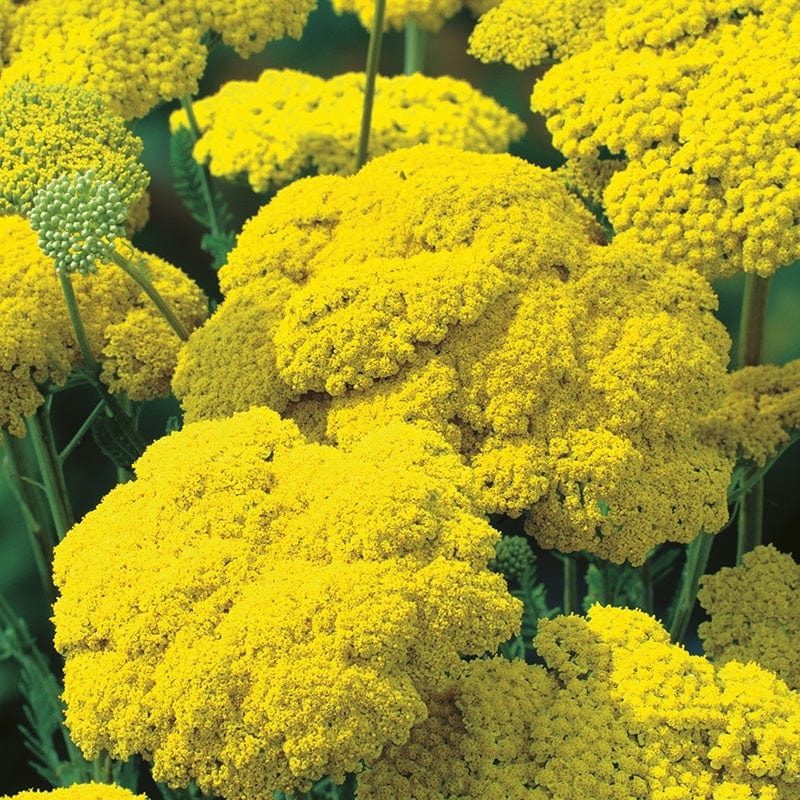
(616, 713)
(288, 123)
(135, 345)
(470, 293)
(48, 131)
(753, 610)
(760, 412)
(79, 791)
(703, 102)
(254, 612)
(136, 54)
(527, 32)
(430, 15)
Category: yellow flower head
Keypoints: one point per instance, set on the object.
(430, 15)
(288, 123)
(527, 32)
(134, 55)
(247, 25)
(49, 131)
(617, 712)
(753, 609)
(274, 610)
(135, 345)
(79, 791)
(760, 412)
(470, 293)
(701, 102)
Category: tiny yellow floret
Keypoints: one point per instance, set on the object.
(276, 611)
(753, 613)
(473, 294)
(288, 123)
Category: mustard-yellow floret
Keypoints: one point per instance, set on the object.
(760, 412)
(753, 613)
(79, 791)
(527, 32)
(616, 712)
(49, 131)
(276, 611)
(478, 300)
(429, 15)
(288, 123)
(135, 55)
(135, 346)
(700, 101)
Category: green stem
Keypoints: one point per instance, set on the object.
(373, 57)
(571, 605)
(77, 323)
(415, 40)
(750, 522)
(92, 367)
(646, 578)
(753, 322)
(18, 468)
(44, 448)
(81, 432)
(697, 553)
(102, 768)
(147, 287)
(205, 184)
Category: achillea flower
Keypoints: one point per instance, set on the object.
(137, 54)
(523, 33)
(617, 712)
(49, 131)
(760, 412)
(247, 25)
(288, 123)
(136, 347)
(430, 15)
(703, 102)
(79, 791)
(753, 609)
(469, 293)
(273, 611)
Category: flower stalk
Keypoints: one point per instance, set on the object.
(147, 287)
(750, 521)
(414, 55)
(18, 468)
(697, 553)
(47, 457)
(373, 58)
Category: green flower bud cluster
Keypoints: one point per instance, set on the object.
(78, 217)
(513, 557)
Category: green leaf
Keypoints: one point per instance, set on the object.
(188, 175)
(114, 442)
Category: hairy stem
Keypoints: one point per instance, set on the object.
(373, 57)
